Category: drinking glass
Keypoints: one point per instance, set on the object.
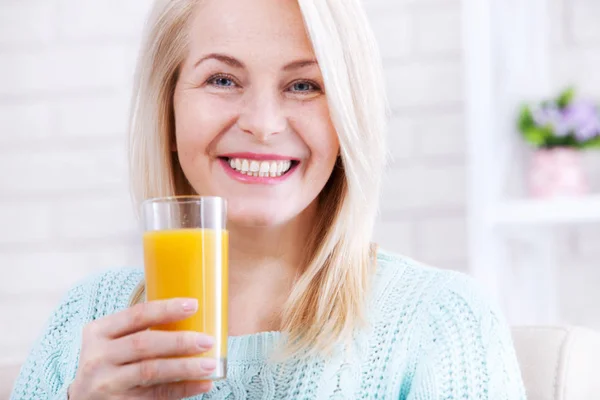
(186, 255)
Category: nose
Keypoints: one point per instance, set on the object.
(262, 115)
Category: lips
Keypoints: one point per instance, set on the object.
(259, 168)
(272, 168)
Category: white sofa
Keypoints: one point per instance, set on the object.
(557, 363)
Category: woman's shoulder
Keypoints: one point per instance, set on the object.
(434, 290)
(104, 292)
(450, 324)
(407, 272)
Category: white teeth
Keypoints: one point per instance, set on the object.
(260, 168)
(273, 169)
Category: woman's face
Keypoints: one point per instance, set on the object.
(251, 117)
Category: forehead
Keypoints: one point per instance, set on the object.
(259, 27)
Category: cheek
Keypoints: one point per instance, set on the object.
(317, 131)
(198, 122)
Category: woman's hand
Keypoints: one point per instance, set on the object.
(122, 359)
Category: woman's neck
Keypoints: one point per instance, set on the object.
(256, 249)
(264, 263)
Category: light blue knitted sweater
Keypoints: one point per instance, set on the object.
(431, 336)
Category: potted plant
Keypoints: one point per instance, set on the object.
(559, 130)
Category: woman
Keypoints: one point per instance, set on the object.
(226, 88)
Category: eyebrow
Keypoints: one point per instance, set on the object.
(232, 62)
(300, 64)
(235, 63)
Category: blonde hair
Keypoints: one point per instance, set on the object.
(327, 303)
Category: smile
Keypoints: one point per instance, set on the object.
(258, 168)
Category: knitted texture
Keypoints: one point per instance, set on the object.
(431, 335)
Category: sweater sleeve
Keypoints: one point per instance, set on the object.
(468, 351)
(48, 371)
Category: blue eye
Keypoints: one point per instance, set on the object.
(304, 87)
(222, 81)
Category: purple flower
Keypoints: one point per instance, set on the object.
(553, 117)
(583, 120)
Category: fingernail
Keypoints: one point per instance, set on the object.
(205, 341)
(190, 305)
(208, 364)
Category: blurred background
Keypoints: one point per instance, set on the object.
(467, 189)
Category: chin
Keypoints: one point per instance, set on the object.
(244, 214)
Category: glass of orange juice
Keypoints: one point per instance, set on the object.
(186, 255)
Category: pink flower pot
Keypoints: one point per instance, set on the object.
(556, 173)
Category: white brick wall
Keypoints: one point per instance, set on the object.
(55, 169)
(438, 31)
(441, 239)
(72, 68)
(442, 135)
(424, 84)
(395, 35)
(402, 143)
(424, 193)
(108, 113)
(65, 75)
(28, 22)
(576, 44)
(25, 222)
(584, 26)
(107, 20)
(415, 187)
(22, 123)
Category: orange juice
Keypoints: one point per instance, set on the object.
(191, 263)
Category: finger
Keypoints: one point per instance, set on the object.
(161, 371)
(146, 315)
(157, 344)
(181, 390)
